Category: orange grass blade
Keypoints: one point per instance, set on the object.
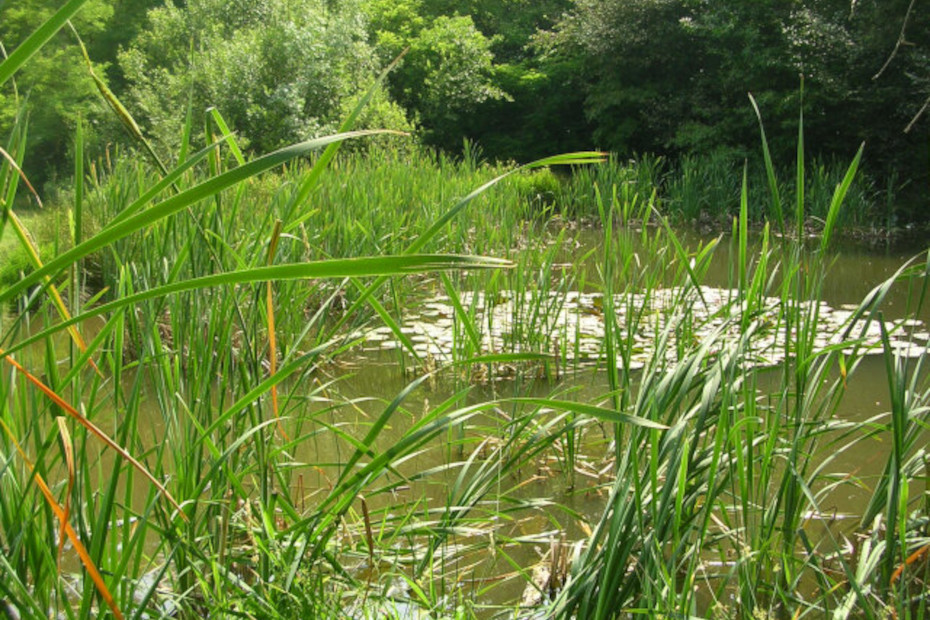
(58, 400)
(272, 339)
(22, 175)
(68, 447)
(68, 530)
(910, 560)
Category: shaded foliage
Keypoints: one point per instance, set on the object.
(279, 71)
(671, 76)
(54, 87)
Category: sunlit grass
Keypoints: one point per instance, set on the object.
(197, 443)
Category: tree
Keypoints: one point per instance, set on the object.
(672, 76)
(278, 70)
(127, 20)
(641, 60)
(510, 24)
(446, 73)
(54, 85)
(890, 84)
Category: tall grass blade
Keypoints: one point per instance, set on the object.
(800, 182)
(272, 339)
(743, 258)
(68, 449)
(473, 338)
(77, 235)
(37, 39)
(313, 178)
(769, 170)
(224, 128)
(67, 530)
(11, 165)
(836, 202)
(384, 266)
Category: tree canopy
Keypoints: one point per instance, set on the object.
(279, 70)
(521, 78)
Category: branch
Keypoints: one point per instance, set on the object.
(917, 116)
(902, 40)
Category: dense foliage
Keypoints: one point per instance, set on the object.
(54, 87)
(280, 71)
(673, 74)
(520, 78)
(288, 385)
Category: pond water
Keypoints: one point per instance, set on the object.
(567, 323)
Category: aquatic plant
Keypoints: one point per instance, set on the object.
(179, 438)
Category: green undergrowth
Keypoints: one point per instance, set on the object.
(307, 495)
(180, 434)
(377, 200)
(47, 227)
(704, 190)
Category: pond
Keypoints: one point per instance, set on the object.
(569, 325)
(507, 473)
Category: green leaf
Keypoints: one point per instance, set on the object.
(601, 413)
(37, 39)
(332, 268)
(172, 205)
(839, 195)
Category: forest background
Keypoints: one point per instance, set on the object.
(519, 78)
(224, 296)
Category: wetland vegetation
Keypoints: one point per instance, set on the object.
(357, 376)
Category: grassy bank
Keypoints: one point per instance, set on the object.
(178, 438)
(284, 497)
(704, 191)
(376, 201)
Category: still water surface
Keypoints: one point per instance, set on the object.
(365, 381)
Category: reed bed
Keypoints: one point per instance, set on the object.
(179, 438)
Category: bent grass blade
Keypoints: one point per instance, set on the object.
(33, 253)
(68, 531)
(600, 413)
(333, 268)
(173, 205)
(272, 340)
(68, 448)
(58, 400)
(128, 122)
(37, 39)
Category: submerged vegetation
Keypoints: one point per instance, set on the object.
(192, 425)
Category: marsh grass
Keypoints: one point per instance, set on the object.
(188, 450)
(219, 315)
(260, 538)
(740, 467)
(703, 190)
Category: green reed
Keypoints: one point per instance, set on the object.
(254, 543)
(213, 302)
(184, 260)
(738, 471)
